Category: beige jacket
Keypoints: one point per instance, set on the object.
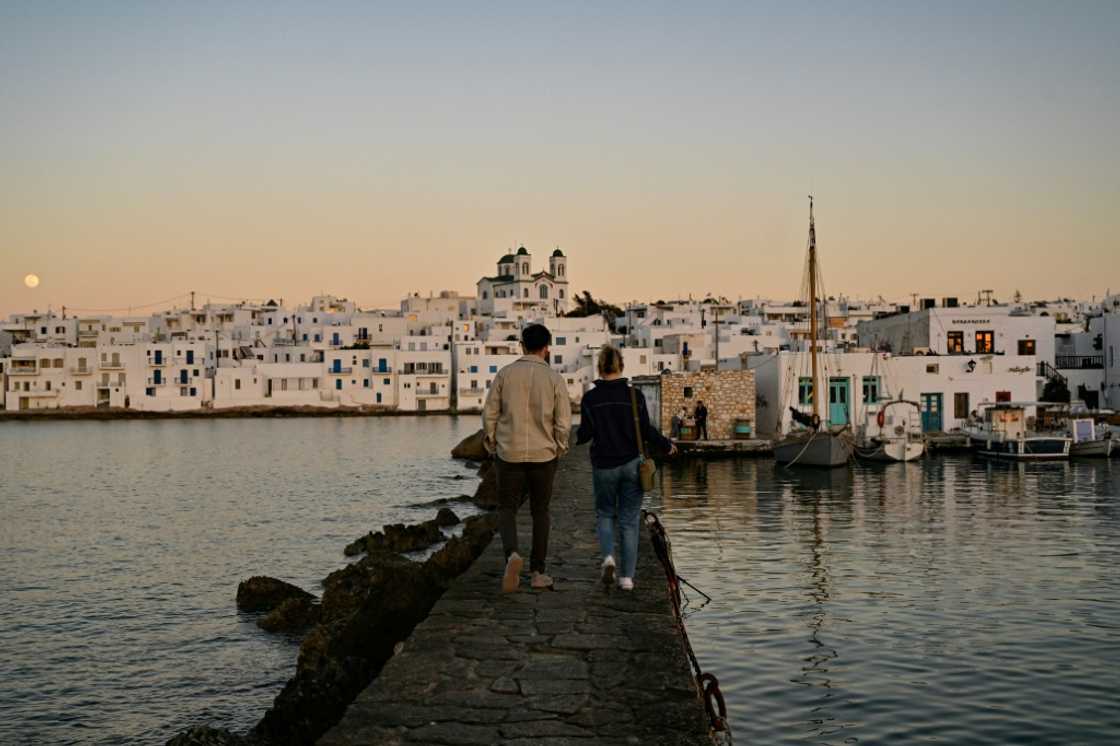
(528, 416)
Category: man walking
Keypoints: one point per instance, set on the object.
(527, 420)
(701, 416)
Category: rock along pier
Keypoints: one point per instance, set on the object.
(580, 664)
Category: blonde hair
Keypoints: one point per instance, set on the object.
(610, 360)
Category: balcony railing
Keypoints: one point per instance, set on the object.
(32, 371)
(81, 371)
(1079, 362)
(340, 371)
(111, 365)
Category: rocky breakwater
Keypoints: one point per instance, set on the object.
(366, 611)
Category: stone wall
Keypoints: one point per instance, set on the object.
(729, 395)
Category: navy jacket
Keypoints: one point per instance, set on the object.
(607, 420)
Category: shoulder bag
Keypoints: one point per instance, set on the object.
(646, 466)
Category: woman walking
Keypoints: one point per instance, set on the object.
(608, 421)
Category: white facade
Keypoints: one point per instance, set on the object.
(517, 287)
(970, 330)
(947, 388)
(1110, 347)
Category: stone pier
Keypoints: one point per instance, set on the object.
(580, 664)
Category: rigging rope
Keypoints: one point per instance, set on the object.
(804, 448)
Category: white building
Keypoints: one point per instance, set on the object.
(947, 388)
(1109, 325)
(478, 363)
(963, 330)
(149, 377)
(516, 287)
(449, 305)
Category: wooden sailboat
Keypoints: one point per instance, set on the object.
(818, 445)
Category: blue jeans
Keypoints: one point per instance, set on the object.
(618, 499)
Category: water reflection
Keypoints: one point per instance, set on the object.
(950, 599)
(131, 536)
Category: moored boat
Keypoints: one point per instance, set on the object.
(1003, 434)
(894, 434)
(1087, 441)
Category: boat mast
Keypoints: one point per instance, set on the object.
(813, 309)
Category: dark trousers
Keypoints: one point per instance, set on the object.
(702, 429)
(515, 480)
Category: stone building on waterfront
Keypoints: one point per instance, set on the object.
(729, 396)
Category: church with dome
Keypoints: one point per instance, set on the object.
(517, 287)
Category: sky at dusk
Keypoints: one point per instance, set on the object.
(370, 150)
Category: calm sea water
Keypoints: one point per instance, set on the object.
(122, 543)
(952, 601)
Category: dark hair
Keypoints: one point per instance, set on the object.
(535, 337)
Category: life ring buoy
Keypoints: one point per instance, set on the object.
(880, 418)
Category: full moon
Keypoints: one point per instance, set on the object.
(31, 281)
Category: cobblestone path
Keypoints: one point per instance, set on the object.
(580, 664)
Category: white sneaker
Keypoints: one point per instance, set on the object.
(626, 584)
(606, 570)
(512, 577)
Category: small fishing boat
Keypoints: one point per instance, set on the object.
(893, 434)
(1003, 434)
(817, 444)
(1087, 442)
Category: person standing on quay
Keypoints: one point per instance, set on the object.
(675, 425)
(526, 423)
(607, 420)
(701, 416)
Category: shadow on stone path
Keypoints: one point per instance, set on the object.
(576, 665)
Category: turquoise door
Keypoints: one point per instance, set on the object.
(839, 395)
(931, 413)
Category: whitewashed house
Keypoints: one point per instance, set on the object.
(962, 330)
(478, 364)
(173, 376)
(946, 388)
(355, 376)
(424, 372)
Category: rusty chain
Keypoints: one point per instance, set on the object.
(707, 683)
